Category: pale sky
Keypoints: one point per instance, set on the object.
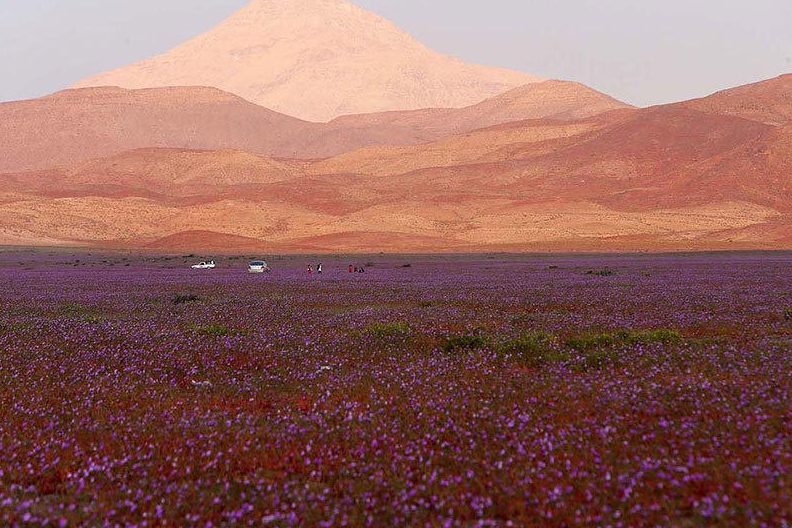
(641, 51)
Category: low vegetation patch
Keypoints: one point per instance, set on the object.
(599, 358)
(389, 331)
(535, 348)
(79, 311)
(788, 314)
(601, 349)
(522, 318)
(592, 341)
(185, 298)
(214, 330)
(605, 272)
(464, 342)
(665, 336)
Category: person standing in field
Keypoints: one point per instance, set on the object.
(319, 268)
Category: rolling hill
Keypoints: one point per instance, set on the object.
(667, 177)
(77, 125)
(766, 102)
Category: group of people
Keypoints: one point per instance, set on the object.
(318, 269)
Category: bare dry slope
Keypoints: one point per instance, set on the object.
(759, 171)
(559, 100)
(316, 60)
(164, 174)
(632, 163)
(81, 124)
(76, 125)
(502, 143)
(669, 177)
(767, 101)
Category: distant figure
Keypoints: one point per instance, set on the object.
(350, 268)
(310, 270)
(319, 268)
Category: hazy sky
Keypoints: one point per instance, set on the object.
(642, 51)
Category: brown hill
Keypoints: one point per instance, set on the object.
(630, 159)
(759, 171)
(767, 101)
(156, 173)
(503, 143)
(208, 240)
(317, 59)
(646, 152)
(560, 100)
(669, 177)
(77, 125)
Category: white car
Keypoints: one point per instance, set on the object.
(205, 265)
(259, 266)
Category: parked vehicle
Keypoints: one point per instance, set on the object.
(205, 265)
(259, 266)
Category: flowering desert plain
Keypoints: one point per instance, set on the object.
(573, 309)
(498, 390)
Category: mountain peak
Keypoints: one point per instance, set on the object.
(317, 59)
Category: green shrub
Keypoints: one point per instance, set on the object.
(591, 341)
(462, 342)
(389, 331)
(599, 358)
(534, 348)
(665, 336)
(599, 349)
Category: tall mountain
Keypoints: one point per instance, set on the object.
(316, 60)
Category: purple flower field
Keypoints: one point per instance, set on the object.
(428, 391)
